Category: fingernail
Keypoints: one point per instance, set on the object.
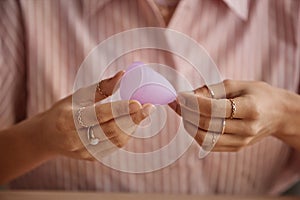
(148, 109)
(134, 106)
(121, 73)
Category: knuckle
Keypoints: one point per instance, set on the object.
(108, 129)
(100, 116)
(227, 83)
(189, 128)
(203, 123)
(255, 113)
(203, 91)
(120, 109)
(120, 141)
(109, 133)
(111, 125)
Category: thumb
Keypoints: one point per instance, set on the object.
(107, 87)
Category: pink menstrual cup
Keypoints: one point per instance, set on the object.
(145, 85)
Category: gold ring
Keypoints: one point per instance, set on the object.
(233, 108)
(100, 91)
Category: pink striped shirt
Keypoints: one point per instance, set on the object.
(43, 44)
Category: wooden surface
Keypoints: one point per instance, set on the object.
(46, 195)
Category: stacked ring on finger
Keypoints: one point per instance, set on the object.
(91, 137)
(211, 92)
(100, 91)
(223, 126)
(79, 117)
(90, 132)
(222, 132)
(233, 108)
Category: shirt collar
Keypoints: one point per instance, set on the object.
(239, 7)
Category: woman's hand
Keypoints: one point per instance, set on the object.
(57, 131)
(112, 123)
(261, 111)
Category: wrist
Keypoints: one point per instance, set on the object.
(31, 134)
(290, 115)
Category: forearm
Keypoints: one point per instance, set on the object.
(291, 119)
(21, 149)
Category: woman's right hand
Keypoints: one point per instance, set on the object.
(57, 131)
(112, 122)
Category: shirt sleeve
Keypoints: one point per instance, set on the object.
(12, 64)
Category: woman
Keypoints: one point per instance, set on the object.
(251, 40)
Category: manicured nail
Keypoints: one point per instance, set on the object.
(148, 109)
(120, 73)
(134, 106)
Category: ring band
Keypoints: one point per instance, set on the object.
(90, 132)
(223, 126)
(212, 94)
(79, 117)
(233, 108)
(91, 137)
(100, 91)
(213, 140)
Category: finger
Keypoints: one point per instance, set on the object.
(227, 140)
(89, 95)
(122, 125)
(222, 108)
(146, 111)
(205, 106)
(101, 113)
(108, 86)
(229, 88)
(126, 124)
(235, 126)
(205, 91)
(119, 130)
(121, 108)
(84, 154)
(175, 106)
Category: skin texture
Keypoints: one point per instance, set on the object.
(26, 145)
(262, 111)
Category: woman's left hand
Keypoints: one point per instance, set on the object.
(261, 111)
